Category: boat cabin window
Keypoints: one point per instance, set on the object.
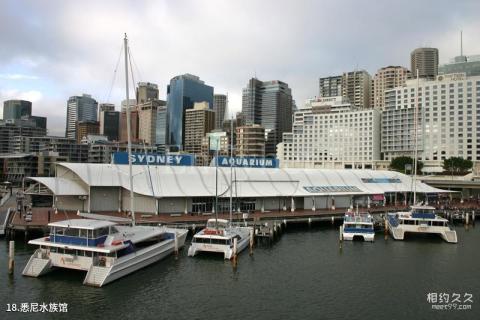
(97, 233)
(438, 223)
(71, 232)
(58, 230)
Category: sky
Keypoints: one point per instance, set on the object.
(51, 50)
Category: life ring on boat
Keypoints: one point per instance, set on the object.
(117, 242)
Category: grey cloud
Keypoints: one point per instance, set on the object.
(74, 45)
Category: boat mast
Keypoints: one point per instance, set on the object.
(129, 134)
(415, 134)
(231, 170)
(216, 184)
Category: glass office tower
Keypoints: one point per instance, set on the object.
(182, 92)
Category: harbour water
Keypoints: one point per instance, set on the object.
(304, 275)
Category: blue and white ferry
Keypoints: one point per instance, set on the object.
(420, 219)
(357, 226)
(105, 250)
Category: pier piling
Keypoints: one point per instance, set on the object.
(385, 227)
(251, 242)
(340, 237)
(11, 257)
(176, 246)
(234, 252)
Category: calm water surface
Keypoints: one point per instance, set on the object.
(304, 275)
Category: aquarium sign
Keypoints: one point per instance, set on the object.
(247, 162)
(155, 159)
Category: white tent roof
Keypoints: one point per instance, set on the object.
(173, 181)
(62, 186)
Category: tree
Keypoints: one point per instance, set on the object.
(457, 165)
(404, 164)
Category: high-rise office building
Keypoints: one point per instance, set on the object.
(356, 87)
(198, 122)
(109, 124)
(447, 120)
(146, 91)
(16, 109)
(330, 86)
(426, 61)
(269, 104)
(329, 133)
(470, 65)
(147, 120)
(250, 141)
(385, 79)
(85, 128)
(106, 107)
(133, 125)
(161, 126)
(79, 108)
(220, 107)
(182, 92)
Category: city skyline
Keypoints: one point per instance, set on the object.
(53, 55)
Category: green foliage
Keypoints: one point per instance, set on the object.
(457, 165)
(401, 163)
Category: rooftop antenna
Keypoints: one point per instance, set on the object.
(461, 43)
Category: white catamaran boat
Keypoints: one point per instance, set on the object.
(219, 237)
(420, 219)
(105, 250)
(358, 226)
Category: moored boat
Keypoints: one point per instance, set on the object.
(105, 250)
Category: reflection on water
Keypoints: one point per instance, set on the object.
(304, 275)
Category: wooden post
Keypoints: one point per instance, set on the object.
(251, 241)
(11, 256)
(340, 237)
(176, 245)
(235, 252)
(385, 226)
(473, 217)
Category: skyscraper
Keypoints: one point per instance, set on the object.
(84, 128)
(198, 122)
(250, 141)
(426, 61)
(356, 86)
(182, 92)
(146, 91)
(79, 108)
(133, 125)
(147, 120)
(470, 65)
(330, 86)
(385, 79)
(109, 124)
(268, 104)
(16, 109)
(105, 107)
(161, 126)
(220, 107)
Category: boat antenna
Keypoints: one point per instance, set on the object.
(415, 150)
(129, 134)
